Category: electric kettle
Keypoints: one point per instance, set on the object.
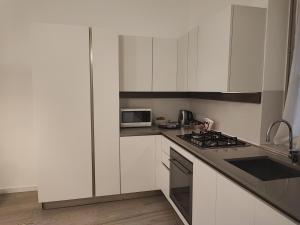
(185, 117)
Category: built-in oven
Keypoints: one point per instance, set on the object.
(181, 184)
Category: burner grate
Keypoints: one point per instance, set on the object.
(212, 139)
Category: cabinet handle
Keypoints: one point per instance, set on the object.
(180, 167)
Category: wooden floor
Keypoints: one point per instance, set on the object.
(23, 209)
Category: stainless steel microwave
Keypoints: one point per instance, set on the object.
(136, 117)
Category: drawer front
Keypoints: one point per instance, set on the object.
(165, 159)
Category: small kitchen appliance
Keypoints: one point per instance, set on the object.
(136, 117)
(185, 117)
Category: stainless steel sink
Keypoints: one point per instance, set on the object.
(265, 168)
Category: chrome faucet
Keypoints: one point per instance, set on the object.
(293, 153)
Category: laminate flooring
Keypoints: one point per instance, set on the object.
(24, 209)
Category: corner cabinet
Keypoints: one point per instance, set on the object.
(68, 109)
(138, 163)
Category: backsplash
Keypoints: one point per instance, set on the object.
(237, 119)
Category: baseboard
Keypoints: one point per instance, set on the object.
(7, 190)
(88, 201)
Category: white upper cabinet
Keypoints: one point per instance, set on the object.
(214, 51)
(231, 50)
(135, 63)
(192, 60)
(164, 64)
(61, 78)
(106, 112)
(247, 49)
(182, 65)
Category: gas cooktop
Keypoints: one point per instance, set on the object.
(212, 139)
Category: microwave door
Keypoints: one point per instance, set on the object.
(136, 118)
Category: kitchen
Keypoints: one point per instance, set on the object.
(75, 76)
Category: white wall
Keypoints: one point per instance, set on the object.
(237, 119)
(161, 18)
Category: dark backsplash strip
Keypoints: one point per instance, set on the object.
(218, 96)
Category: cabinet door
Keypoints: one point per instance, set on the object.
(62, 102)
(163, 165)
(235, 206)
(164, 180)
(106, 112)
(266, 215)
(213, 52)
(164, 64)
(137, 164)
(182, 65)
(204, 194)
(135, 63)
(193, 60)
(247, 49)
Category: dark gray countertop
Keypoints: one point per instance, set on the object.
(283, 194)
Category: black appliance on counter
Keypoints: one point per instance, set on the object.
(212, 139)
(181, 184)
(185, 117)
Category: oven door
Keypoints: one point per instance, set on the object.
(181, 184)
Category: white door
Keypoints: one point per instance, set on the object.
(135, 63)
(62, 106)
(106, 112)
(164, 64)
(204, 194)
(266, 215)
(182, 65)
(193, 60)
(138, 163)
(235, 206)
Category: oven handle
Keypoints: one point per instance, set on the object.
(180, 166)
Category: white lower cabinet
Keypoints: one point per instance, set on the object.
(162, 167)
(216, 199)
(138, 163)
(164, 179)
(266, 215)
(204, 194)
(235, 206)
